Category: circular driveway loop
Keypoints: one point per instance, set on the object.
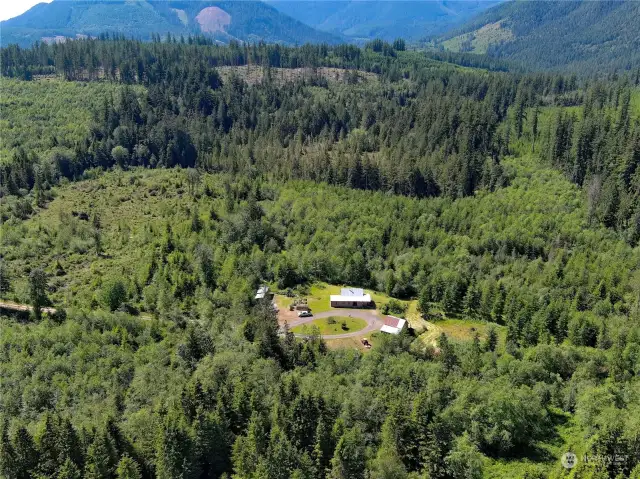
(374, 322)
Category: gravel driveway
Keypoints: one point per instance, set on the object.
(374, 322)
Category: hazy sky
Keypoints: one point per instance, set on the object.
(13, 8)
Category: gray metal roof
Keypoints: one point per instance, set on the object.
(352, 292)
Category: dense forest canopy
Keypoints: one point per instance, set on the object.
(213, 360)
(162, 185)
(423, 128)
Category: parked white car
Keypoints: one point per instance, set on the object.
(304, 314)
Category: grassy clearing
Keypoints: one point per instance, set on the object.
(480, 39)
(464, 329)
(414, 318)
(457, 328)
(332, 325)
(461, 330)
(354, 343)
(318, 297)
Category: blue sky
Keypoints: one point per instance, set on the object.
(13, 8)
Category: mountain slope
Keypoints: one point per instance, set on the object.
(581, 36)
(246, 21)
(386, 19)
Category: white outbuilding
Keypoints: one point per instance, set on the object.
(350, 298)
(262, 292)
(393, 325)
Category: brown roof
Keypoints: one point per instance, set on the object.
(393, 322)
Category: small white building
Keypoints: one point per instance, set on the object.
(350, 298)
(393, 325)
(262, 292)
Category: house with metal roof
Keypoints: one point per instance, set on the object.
(350, 298)
(393, 325)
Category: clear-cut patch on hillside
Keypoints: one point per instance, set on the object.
(213, 19)
(182, 15)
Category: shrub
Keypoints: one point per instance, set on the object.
(394, 307)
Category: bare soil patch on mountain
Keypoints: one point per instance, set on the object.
(213, 19)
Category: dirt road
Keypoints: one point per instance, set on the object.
(11, 306)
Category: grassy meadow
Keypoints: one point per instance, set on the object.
(331, 326)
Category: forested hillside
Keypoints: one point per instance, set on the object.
(250, 21)
(386, 19)
(579, 36)
(502, 199)
(427, 129)
(359, 133)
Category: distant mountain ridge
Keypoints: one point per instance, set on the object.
(223, 20)
(571, 35)
(582, 36)
(386, 19)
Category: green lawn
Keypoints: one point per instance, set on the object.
(462, 330)
(332, 325)
(318, 298)
(319, 293)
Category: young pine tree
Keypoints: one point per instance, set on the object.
(38, 290)
(491, 341)
(128, 469)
